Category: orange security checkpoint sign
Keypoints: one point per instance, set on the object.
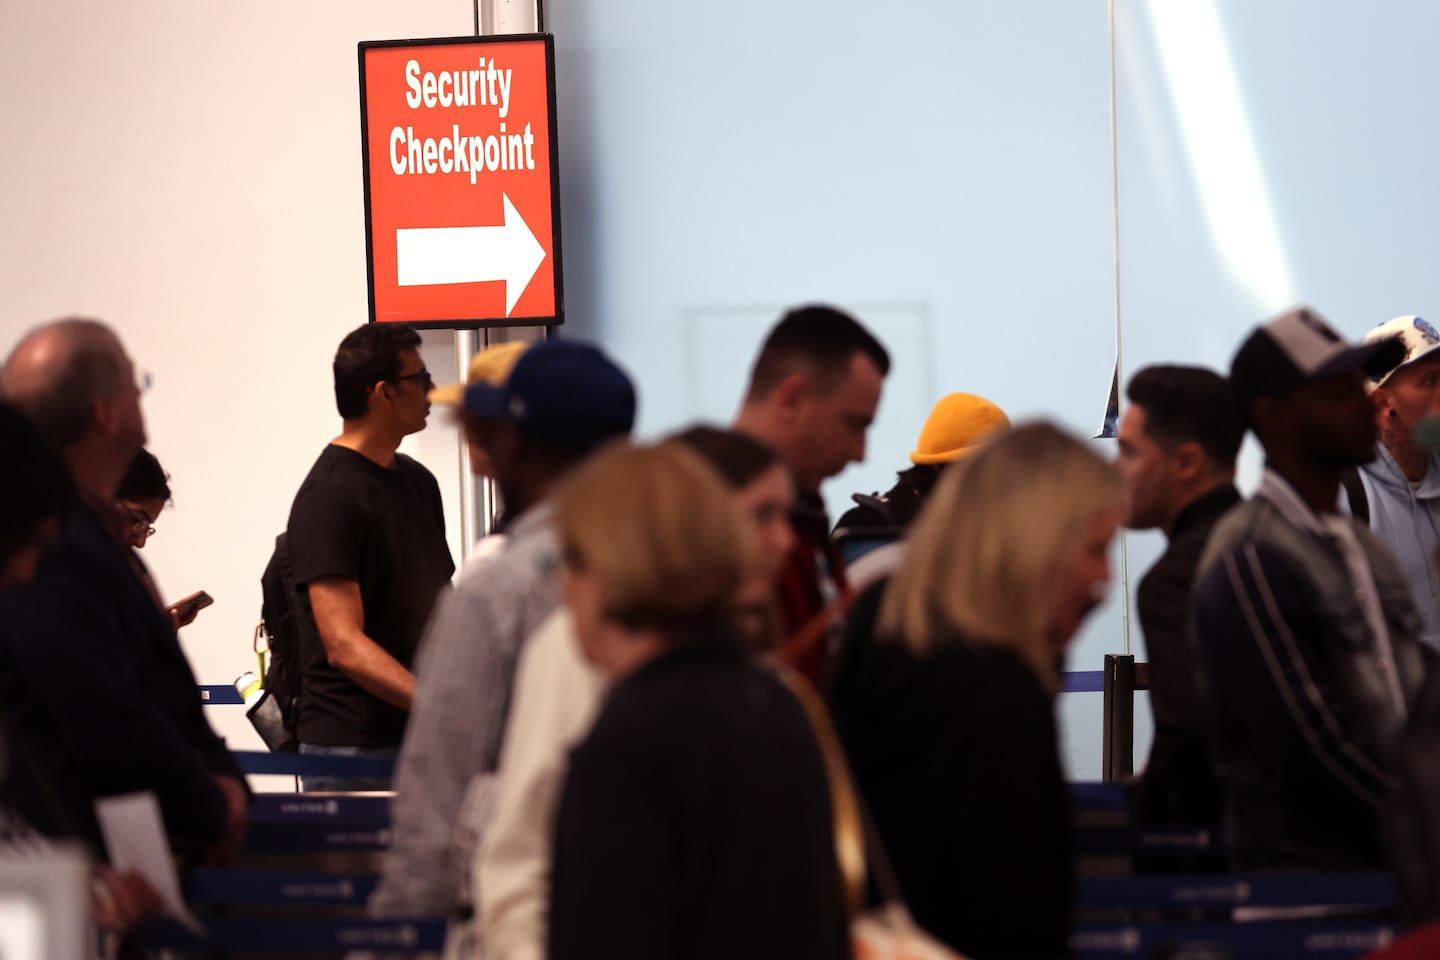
(462, 207)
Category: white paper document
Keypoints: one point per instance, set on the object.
(135, 836)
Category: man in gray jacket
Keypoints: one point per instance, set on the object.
(1401, 486)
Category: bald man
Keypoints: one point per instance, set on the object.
(94, 688)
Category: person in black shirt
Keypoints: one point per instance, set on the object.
(367, 544)
(1178, 441)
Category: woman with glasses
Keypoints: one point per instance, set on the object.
(143, 493)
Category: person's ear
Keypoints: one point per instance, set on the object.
(1189, 461)
(792, 392)
(105, 414)
(382, 393)
(1384, 409)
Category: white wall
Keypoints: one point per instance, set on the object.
(190, 173)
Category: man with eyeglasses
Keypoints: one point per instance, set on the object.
(368, 553)
(96, 694)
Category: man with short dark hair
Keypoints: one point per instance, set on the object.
(560, 402)
(1303, 620)
(1179, 438)
(98, 697)
(813, 394)
(367, 546)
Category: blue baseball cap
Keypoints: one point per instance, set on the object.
(561, 392)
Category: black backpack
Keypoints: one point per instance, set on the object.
(281, 621)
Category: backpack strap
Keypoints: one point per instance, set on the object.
(1355, 494)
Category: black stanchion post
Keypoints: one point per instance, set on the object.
(1118, 758)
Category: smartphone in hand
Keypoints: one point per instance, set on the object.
(184, 611)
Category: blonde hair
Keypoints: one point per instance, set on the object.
(983, 558)
(659, 531)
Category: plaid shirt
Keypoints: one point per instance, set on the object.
(466, 667)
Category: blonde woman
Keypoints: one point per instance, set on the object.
(947, 713)
(695, 819)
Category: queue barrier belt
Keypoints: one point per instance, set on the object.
(266, 887)
(1093, 795)
(313, 838)
(1366, 891)
(373, 810)
(313, 764)
(1371, 891)
(1076, 681)
(360, 810)
(309, 822)
(220, 695)
(1090, 841)
(296, 935)
(1321, 939)
(1101, 841)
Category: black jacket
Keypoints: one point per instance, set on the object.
(1178, 786)
(957, 758)
(1305, 701)
(695, 822)
(897, 507)
(98, 698)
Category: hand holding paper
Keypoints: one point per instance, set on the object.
(135, 836)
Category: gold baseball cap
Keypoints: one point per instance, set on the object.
(491, 365)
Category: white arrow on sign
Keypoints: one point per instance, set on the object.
(509, 252)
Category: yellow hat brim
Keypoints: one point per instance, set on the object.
(448, 396)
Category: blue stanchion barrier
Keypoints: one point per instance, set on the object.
(212, 887)
(1094, 795)
(301, 808)
(1320, 939)
(307, 838)
(220, 695)
(1154, 891)
(314, 765)
(1085, 681)
(1076, 681)
(287, 935)
(1135, 841)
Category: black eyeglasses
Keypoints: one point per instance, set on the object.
(140, 523)
(423, 376)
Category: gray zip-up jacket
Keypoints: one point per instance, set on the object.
(1407, 518)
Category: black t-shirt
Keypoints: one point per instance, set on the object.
(385, 529)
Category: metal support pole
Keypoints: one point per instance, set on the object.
(479, 500)
(1118, 758)
(472, 521)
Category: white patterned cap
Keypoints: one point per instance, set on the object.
(1419, 338)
